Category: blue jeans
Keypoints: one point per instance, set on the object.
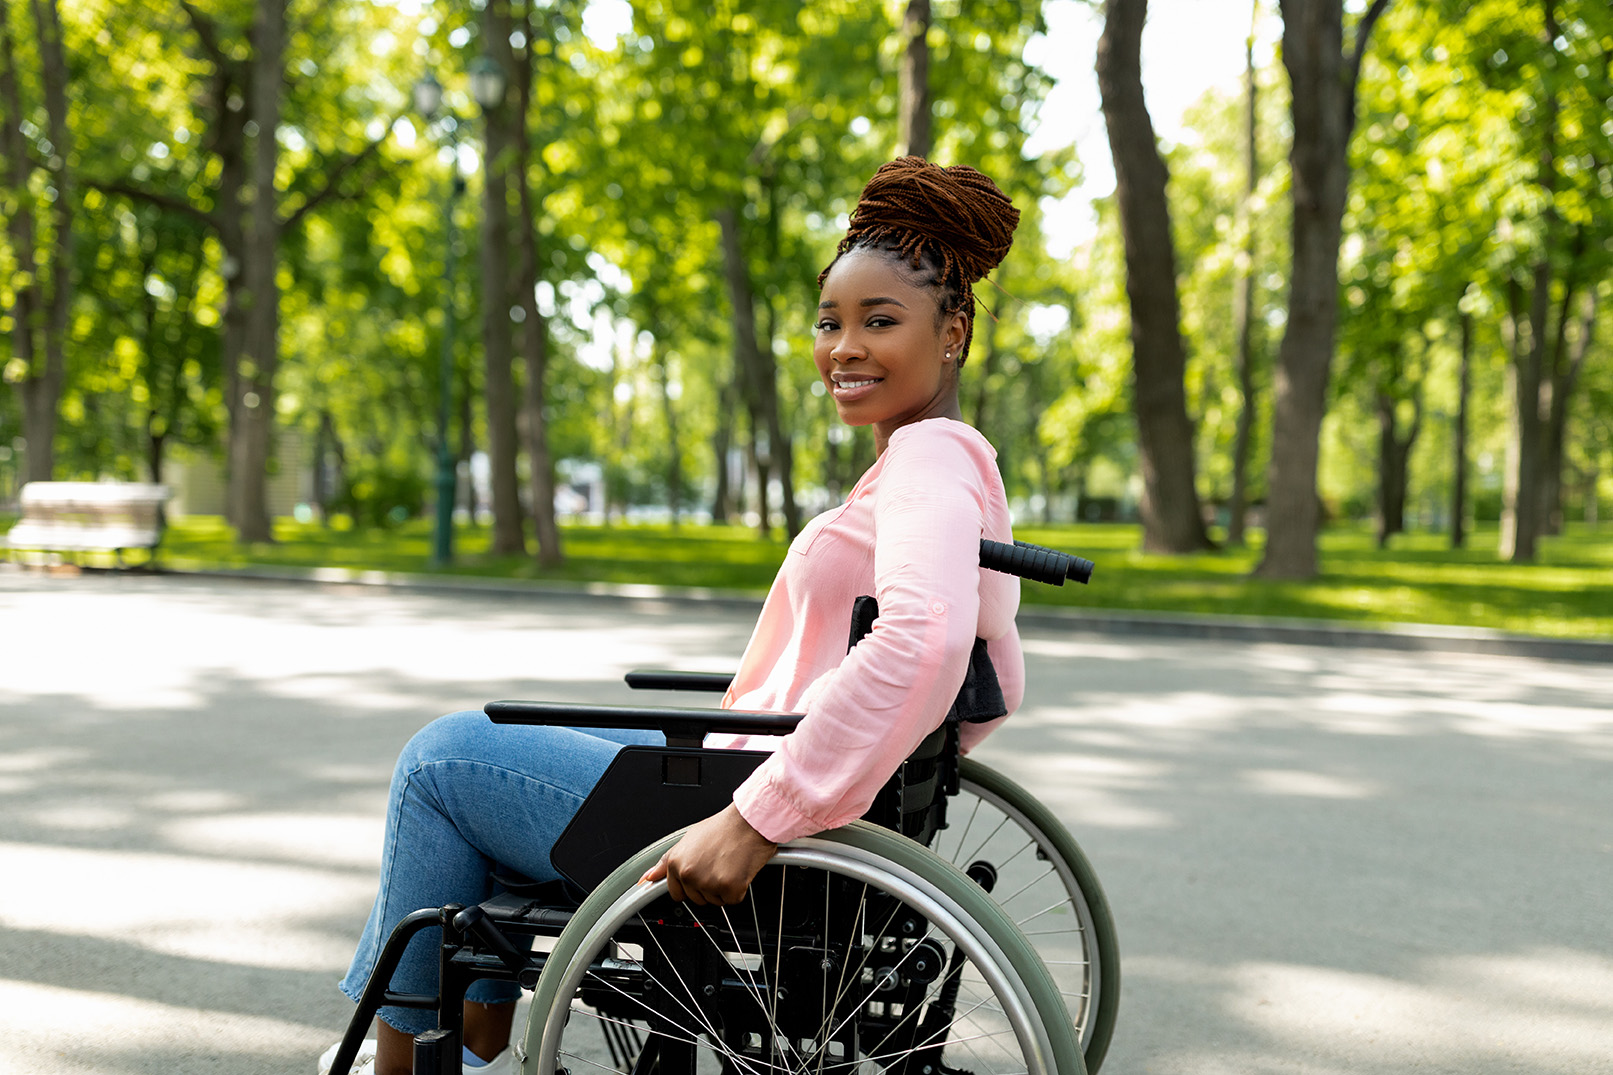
(468, 795)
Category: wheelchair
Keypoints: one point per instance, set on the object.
(958, 929)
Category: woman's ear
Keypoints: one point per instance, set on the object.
(955, 331)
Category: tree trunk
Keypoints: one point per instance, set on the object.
(1523, 514)
(1173, 520)
(760, 478)
(1394, 454)
(498, 161)
(252, 426)
(1323, 81)
(759, 376)
(1464, 388)
(327, 453)
(53, 77)
(1243, 297)
(722, 505)
(1565, 376)
(535, 328)
(156, 427)
(229, 89)
(913, 118)
(669, 414)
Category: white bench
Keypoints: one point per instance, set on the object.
(89, 517)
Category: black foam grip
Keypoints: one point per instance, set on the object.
(1034, 562)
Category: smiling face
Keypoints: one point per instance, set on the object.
(885, 352)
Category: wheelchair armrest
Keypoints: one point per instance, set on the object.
(658, 679)
(683, 725)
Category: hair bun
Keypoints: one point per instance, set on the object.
(957, 207)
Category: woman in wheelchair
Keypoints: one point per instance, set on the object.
(894, 324)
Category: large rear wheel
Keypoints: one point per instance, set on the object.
(854, 952)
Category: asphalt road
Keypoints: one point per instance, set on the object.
(1322, 860)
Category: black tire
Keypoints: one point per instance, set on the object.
(1044, 882)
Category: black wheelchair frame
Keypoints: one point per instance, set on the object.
(497, 938)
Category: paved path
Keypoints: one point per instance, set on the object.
(1322, 860)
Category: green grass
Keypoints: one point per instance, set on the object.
(1419, 579)
(727, 558)
(1568, 594)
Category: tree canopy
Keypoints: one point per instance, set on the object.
(227, 234)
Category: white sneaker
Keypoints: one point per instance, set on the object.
(364, 1064)
(502, 1064)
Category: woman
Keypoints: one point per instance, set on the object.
(895, 319)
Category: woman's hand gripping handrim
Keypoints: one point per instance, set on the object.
(715, 861)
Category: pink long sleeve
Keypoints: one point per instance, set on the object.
(909, 534)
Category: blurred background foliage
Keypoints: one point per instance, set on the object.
(645, 123)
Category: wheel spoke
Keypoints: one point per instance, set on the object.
(962, 859)
(1055, 905)
(1003, 901)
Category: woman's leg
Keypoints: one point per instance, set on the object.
(468, 794)
(487, 1027)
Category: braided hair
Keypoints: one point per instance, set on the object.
(953, 223)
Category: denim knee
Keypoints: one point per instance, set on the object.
(448, 736)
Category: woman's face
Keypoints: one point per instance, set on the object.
(879, 350)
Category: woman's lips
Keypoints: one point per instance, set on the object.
(850, 389)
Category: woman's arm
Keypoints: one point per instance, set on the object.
(897, 684)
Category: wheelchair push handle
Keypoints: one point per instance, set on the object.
(1035, 562)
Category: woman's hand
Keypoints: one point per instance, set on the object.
(715, 861)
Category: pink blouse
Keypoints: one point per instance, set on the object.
(909, 534)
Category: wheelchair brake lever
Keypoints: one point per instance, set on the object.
(474, 921)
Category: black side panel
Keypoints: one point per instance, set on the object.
(646, 793)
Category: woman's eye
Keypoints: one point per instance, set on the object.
(825, 325)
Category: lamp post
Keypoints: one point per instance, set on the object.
(427, 100)
(487, 83)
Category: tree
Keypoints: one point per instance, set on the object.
(534, 326)
(1464, 392)
(1173, 519)
(1216, 220)
(1562, 257)
(754, 172)
(501, 172)
(235, 72)
(1323, 80)
(252, 406)
(41, 239)
(1243, 302)
(142, 271)
(1416, 226)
